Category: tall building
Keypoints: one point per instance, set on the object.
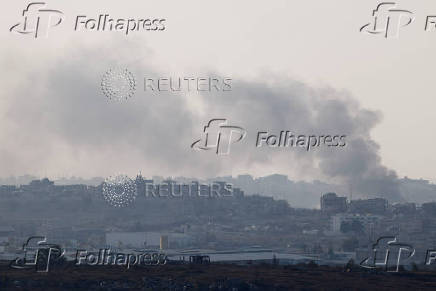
(331, 203)
(365, 220)
(164, 242)
(373, 206)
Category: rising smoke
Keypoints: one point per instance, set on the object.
(57, 123)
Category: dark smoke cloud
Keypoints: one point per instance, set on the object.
(59, 122)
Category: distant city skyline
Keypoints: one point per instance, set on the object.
(297, 193)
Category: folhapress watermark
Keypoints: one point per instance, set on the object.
(105, 257)
(388, 255)
(38, 20)
(41, 256)
(219, 136)
(38, 254)
(287, 139)
(104, 22)
(388, 19)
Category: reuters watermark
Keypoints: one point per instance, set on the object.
(121, 191)
(120, 84)
(195, 189)
(187, 84)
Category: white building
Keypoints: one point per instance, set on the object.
(365, 220)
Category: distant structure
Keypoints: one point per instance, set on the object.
(164, 242)
(429, 208)
(407, 209)
(199, 260)
(43, 185)
(331, 203)
(366, 221)
(372, 206)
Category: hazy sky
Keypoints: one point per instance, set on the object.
(55, 121)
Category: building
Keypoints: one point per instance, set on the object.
(371, 206)
(39, 186)
(331, 203)
(406, 209)
(132, 239)
(7, 189)
(367, 221)
(429, 208)
(148, 240)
